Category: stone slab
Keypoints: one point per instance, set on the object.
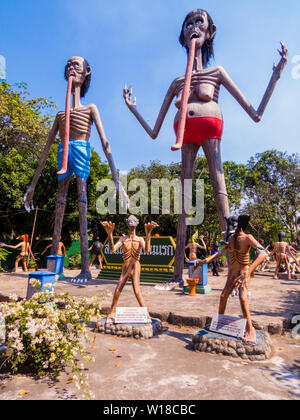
(136, 331)
(208, 342)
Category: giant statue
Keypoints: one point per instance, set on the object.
(74, 128)
(199, 121)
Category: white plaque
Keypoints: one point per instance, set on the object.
(131, 316)
(234, 327)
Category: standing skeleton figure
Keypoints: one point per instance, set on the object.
(239, 274)
(204, 120)
(24, 254)
(131, 245)
(281, 251)
(79, 155)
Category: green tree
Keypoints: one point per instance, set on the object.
(272, 188)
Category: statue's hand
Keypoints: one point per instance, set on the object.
(109, 227)
(284, 51)
(149, 227)
(28, 199)
(284, 58)
(123, 196)
(127, 95)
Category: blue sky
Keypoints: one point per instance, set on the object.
(136, 42)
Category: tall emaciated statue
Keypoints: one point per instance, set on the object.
(199, 121)
(74, 128)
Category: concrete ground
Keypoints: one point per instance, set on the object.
(165, 368)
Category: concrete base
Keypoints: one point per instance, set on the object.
(209, 342)
(200, 290)
(137, 331)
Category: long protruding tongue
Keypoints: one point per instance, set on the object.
(64, 160)
(185, 97)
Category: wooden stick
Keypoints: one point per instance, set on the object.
(185, 97)
(64, 159)
(33, 231)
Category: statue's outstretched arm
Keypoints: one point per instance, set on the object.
(109, 228)
(153, 133)
(107, 151)
(256, 115)
(148, 230)
(28, 197)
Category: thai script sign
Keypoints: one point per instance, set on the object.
(162, 253)
(131, 316)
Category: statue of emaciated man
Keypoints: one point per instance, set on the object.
(75, 131)
(131, 245)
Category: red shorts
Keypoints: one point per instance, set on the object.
(199, 129)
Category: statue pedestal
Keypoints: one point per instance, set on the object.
(208, 342)
(137, 331)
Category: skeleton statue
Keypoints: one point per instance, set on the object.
(281, 251)
(199, 121)
(24, 254)
(131, 245)
(74, 128)
(61, 251)
(239, 275)
(193, 248)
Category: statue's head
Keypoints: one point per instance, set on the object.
(198, 24)
(281, 236)
(81, 71)
(132, 222)
(24, 238)
(232, 223)
(243, 221)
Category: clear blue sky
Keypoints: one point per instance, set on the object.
(136, 42)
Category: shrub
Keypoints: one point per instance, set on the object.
(44, 339)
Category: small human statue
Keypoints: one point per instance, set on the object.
(131, 245)
(239, 274)
(282, 251)
(24, 254)
(74, 128)
(61, 249)
(193, 247)
(199, 120)
(96, 249)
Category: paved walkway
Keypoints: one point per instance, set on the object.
(273, 303)
(165, 368)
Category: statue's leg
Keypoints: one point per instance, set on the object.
(278, 262)
(93, 259)
(63, 187)
(17, 263)
(212, 150)
(288, 265)
(189, 154)
(118, 291)
(100, 262)
(85, 274)
(250, 336)
(228, 289)
(24, 262)
(136, 284)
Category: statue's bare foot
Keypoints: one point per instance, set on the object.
(250, 336)
(82, 278)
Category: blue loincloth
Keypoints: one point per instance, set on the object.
(78, 159)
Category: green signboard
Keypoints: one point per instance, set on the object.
(162, 253)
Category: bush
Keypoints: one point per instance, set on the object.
(44, 339)
(75, 260)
